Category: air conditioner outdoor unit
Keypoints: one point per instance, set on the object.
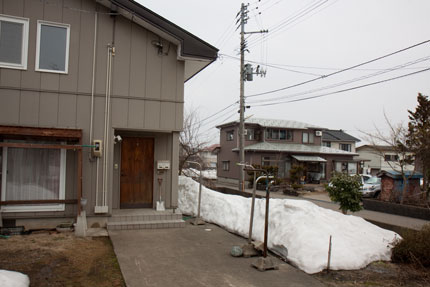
(318, 133)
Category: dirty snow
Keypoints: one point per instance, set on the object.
(298, 229)
(208, 174)
(13, 279)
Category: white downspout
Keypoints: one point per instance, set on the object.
(92, 106)
(106, 131)
(106, 124)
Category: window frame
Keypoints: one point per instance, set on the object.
(250, 134)
(266, 161)
(229, 135)
(342, 145)
(226, 165)
(38, 207)
(24, 42)
(40, 23)
(303, 137)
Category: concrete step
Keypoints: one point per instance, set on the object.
(155, 224)
(125, 219)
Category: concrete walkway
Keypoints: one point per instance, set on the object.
(194, 256)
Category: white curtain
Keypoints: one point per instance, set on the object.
(33, 174)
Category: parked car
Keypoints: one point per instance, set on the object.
(371, 187)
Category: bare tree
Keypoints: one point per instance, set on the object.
(191, 141)
(395, 142)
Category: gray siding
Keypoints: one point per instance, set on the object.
(147, 88)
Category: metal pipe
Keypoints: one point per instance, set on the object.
(266, 220)
(200, 186)
(251, 219)
(97, 181)
(93, 79)
(105, 122)
(111, 54)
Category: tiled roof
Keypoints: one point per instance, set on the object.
(338, 135)
(274, 123)
(295, 148)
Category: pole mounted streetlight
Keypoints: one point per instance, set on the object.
(198, 220)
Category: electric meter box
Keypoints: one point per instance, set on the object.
(97, 149)
(163, 164)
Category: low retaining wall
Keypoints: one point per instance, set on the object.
(398, 209)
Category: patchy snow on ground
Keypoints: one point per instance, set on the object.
(208, 174)
(298, 229)
(13, 279)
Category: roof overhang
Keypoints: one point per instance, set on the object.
(308, 158)
(196, 53)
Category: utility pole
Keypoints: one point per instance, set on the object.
(243, 19)
(245, 75)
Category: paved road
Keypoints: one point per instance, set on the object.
(194, 256)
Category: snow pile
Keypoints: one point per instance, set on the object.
(208, 174)
(298, 230)
(13, 279)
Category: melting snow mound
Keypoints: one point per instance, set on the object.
(13, 279)
(298, 230)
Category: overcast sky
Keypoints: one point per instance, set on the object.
(309, 39)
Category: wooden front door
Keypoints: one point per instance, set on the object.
(137, 172)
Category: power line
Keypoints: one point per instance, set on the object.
(340, 71)
(216, 113)
(345, 90)
(272, 66)
(347, 81)
(293, 18)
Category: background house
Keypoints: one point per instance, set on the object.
(338, 139)
(208, 156)
(280, 143)
(378, 158)
(79, 74)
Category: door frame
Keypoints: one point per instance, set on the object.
(148, 205)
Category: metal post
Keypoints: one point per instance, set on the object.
(198, 220)
(200, 193)
(266, 219)
(265, 263)
(251, 219)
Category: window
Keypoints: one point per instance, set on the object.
(230, 135)
(327, 144)
(352, 168)
(345, 147)
(33, 174)
(13, 42)
(52, 49)
(250, 134)
(265, 161)
(311, 138)
(226, 165)
(285, 135)
(391, 157)
(308, 137)
(305, 137)
(346, 167)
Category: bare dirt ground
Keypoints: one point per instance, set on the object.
(378, 274)
(61, 259)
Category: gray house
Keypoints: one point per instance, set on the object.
(281, 143)
(91, 106)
